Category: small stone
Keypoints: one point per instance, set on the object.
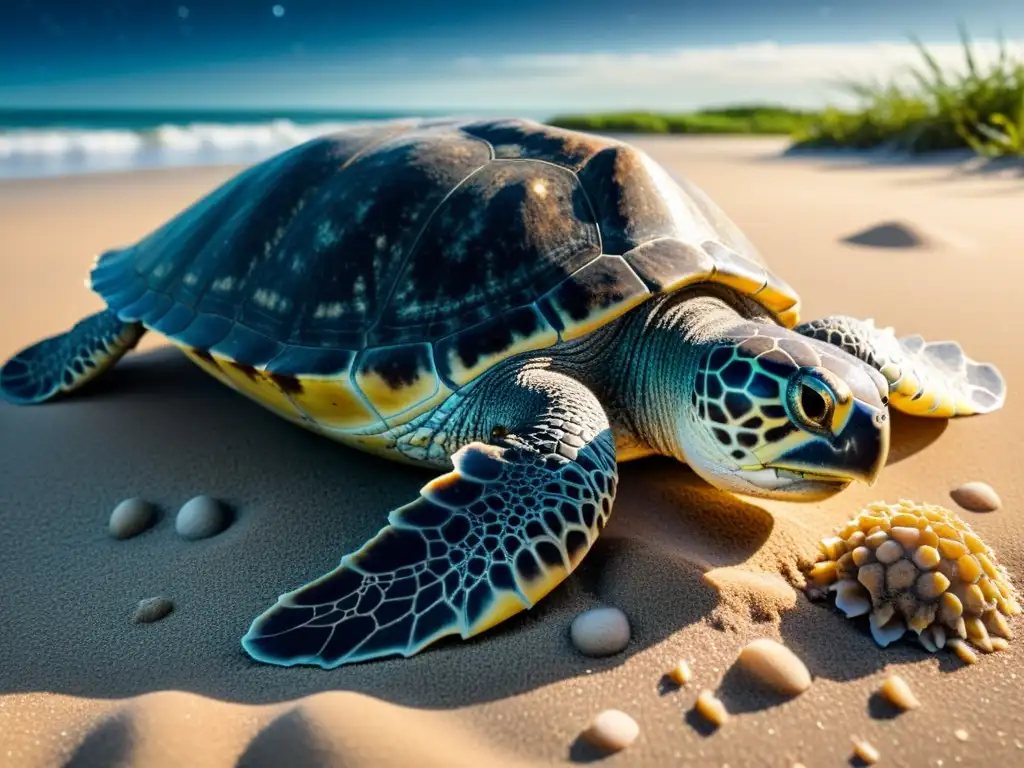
(896, 691)
(776, 666)
(201, 518)
(961, 734)
(976, 497)
(711, 708)
(600, 631)
(868, 754)
(152, 609)
(612, 730)
(131, 517)
(680, 674)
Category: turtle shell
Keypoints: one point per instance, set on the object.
(365, 275)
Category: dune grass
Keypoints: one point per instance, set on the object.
(980, 108)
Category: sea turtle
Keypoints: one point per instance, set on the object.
(520, 307)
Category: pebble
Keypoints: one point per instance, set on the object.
(680, 674)
(600, 631)
(152, 609)
(776, 666)
(131, 517)
(976, 497)
(866, 752)
(896, 691)
(711, 708)
(961, 734)
(612, 730)
(201, 518)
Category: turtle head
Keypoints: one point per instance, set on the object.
(772, 413)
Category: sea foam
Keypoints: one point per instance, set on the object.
(28, 152)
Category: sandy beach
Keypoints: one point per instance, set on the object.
(698, 572)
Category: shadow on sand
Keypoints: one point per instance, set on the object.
(158, 427)
(959, 165)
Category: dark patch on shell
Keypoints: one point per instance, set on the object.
(398, 367)
(287, 384)
(205, 356)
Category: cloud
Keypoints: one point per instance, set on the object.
(807, 73)
(763, 62)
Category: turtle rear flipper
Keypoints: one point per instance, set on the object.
(925, 378)
(482, 542)
(63, 363)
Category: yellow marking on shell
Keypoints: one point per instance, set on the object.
(735, 271)
(545, 336)
(333, 403)
(389, 400)
(256, 386)
(777, 296)
(440, 395)
(210, 368)
(789, 318)
(550, 578)
(505, 606)
(635, 292)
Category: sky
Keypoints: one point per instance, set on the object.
(504, 55)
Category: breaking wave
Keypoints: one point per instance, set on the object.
(26, 152)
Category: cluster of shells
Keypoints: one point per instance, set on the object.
(917, 567)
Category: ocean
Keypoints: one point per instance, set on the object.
(50, 142)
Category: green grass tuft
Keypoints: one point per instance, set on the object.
(980, 109)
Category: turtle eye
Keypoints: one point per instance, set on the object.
(811, 403)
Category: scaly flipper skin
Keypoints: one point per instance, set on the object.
(61, 364)
(925, 378)
(483, 542)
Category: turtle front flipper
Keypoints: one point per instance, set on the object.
(925, 378)
(483, 542)
(63, 363)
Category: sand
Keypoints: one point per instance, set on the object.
(698, 572)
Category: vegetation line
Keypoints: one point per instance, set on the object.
(980, 108)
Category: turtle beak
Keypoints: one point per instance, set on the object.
(857, 452)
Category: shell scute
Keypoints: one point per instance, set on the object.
(394, 379)
(594, 295)
(528, 140)
(461, 357)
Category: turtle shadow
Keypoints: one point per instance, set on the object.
(910, 435)
(158, 427)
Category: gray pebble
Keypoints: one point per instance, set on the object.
(152, 609)
(600, 631)
(131, 517)
(201, 518)
(976, 496)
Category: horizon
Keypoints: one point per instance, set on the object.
(406, 57)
